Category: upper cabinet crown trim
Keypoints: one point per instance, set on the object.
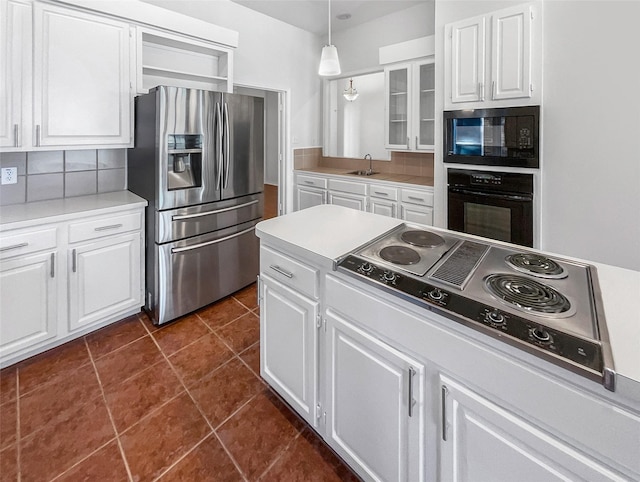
(409, 50)
(152, 15)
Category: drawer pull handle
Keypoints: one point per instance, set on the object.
(111, 226)
(381, 193)
(309, 182)
(414, 198)
(180, 217)
(210, 243)
(74, 261)
(53, 265)
(281, 271)
(15, 246)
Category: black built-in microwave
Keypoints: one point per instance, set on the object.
(506, 136)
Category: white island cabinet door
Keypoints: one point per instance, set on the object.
(104, 279)
(481, 441)
(375, 404)
(288, 345)
(28, 304)
(81, 79)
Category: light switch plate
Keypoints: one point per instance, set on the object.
(9, 175)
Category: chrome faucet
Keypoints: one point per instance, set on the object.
(370, 171)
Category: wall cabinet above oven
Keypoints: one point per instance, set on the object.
(494, 59)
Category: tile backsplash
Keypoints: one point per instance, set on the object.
(409, 163)
(44, 175)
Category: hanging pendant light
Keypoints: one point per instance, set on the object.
(350, 93)
(329, 62)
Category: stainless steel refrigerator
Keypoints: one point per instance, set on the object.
(198, 160)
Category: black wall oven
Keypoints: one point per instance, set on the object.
(496, 205)
(493, 137)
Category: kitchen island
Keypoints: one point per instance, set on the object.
(403, 393)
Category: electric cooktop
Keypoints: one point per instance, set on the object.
(550, 307)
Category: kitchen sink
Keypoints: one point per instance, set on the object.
(363, 173)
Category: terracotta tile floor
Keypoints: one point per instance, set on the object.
(131, 401)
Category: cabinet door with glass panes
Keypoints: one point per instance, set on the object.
(398, 83)
(424, 115)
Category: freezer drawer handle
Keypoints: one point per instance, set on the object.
(111, 226)
(180, 217)
(14, 246)
(209, 243)
(281, 271)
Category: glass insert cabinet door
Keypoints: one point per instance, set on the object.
(426, 102)
(398, 82)
(410, 106)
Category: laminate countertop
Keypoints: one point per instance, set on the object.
(381, 176)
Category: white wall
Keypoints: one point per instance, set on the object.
(591, 116)
(358, 46)
(590, 198)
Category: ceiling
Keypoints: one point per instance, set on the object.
(312, 15)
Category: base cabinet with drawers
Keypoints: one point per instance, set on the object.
(62, 279)
(410, 203)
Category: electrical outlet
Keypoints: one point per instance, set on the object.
(9, 175)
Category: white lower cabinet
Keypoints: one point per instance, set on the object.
(383, 207)
(353, 201)
(481, 441)
(416, 214)
(374, 404)
(289, 345)
(308, 197)
(60, 280)
(29, 301)
(104, 279)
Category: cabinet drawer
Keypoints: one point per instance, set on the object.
(17, 243)
(383, 192)
(424, 198)
(289, 272)
(97, 228)
(347, 186)
(320, 182)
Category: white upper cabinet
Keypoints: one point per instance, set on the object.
(410, 105)
(15, 74)
(81, 84)
(493, 59)
(467, 60)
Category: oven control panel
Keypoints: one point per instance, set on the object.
(495, 322)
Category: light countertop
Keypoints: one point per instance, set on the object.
(381, 176)
(27, 214)
(332, 231)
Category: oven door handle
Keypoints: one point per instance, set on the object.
(209, 243)
(508, 197)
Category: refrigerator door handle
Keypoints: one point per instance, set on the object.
(218, 160)
(225, 116)
(209, 243)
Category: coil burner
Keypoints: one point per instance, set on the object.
(536, 265)
(399, 255)
(528, 295)
(424, 239)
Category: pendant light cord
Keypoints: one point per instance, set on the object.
(329, 21)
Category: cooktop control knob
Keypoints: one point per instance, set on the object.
(435, 294)
(366, 268)
(541, 335)
(495, 317)
(389, 277)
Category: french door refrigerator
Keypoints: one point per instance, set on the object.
(198, 160)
